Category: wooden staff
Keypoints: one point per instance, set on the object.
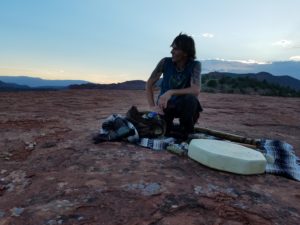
(249, 142)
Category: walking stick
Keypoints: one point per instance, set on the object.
(249, 142)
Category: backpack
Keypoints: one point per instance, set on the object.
(148, 124)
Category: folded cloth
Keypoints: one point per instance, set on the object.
(157, 144)
(166, 143)
(286, 163)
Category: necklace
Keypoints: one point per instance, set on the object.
(179, 70)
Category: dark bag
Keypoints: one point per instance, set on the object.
(148, 124)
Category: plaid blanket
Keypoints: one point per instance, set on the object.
(157, 144)
(285, 163)
(133, 138)
(170, 143)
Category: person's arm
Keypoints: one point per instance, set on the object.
(155, 75)
(193, 89)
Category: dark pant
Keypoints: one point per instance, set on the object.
(187, 109)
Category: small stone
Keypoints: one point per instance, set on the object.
(16, 211)
(30, 147)
(50, 178)
(3, 171)
(10, 187)
(80, 218)
(49, 144)
(52, 222)
(151, 189)
(7, 154)
(198, 190)
(61, 184)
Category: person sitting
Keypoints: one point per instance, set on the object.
(180, 87)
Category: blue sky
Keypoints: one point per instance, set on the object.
(111, 41)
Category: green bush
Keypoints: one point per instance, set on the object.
(212, 83)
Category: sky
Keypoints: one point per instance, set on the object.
(116, 40)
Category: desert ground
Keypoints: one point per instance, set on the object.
(52, 173)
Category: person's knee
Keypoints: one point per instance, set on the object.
(190, 98)
(189, 103)
(191, 109)
(192, 101)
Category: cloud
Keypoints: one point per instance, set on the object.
(295, 58)
(208, 35)
(282, 43)
(290, 68)
(248, 61)
(204, 35)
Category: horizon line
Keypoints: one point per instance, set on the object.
(29, 76)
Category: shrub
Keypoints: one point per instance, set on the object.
(212, 83)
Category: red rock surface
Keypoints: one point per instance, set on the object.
(52, 173)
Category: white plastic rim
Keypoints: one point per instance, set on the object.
(227, 156)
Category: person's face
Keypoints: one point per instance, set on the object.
(177, 54)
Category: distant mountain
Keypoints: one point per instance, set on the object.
(248, 83)
(16, 87)
(38, 82)
(12, 87)
(285, 81)
(291, 68)
(253, 84)
(127, 85)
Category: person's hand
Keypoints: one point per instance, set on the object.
(156, 109)
(163, 100)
